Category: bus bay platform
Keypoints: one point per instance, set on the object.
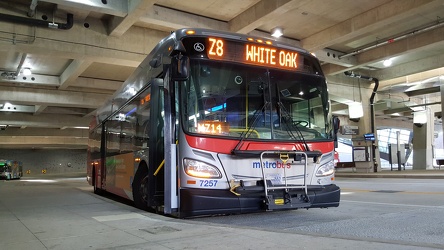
(54, 212)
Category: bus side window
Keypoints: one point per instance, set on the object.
(143, 120)
(112, 137)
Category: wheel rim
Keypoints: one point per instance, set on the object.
(144, 189)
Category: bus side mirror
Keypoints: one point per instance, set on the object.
(336, 124)
(180, 66)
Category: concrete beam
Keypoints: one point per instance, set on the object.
(340, 99)
(338, 107)
(44, 120)
(371, 20)
(8, 76)
(16, 131)
(91, 44)
(115, 8)
(9, 107)
(43, 141)
(136, 8)
(433, 38)
(74, 70)
(39, 109)
(260, 13)
(393, 123)
(431, 62)
(68, 111)
(422, 91)
(333, 57)
(83, 82)
(50, 97)
(92, 83)
(333, 69)
(167, 20)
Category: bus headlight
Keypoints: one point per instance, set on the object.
(326, 169)
(200, 169)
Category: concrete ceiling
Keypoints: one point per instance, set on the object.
(74, 70)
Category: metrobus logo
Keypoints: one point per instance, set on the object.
(271, 164)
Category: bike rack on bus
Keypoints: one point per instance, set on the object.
(288, 201)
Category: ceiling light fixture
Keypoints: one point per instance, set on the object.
(26, 71)
(388, 62)
(355, 110)
(276, 32)
(420, 118)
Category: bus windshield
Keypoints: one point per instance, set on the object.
(233, 100)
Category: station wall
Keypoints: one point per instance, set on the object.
(47, 161)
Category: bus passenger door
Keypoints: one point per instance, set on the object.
(156, 146)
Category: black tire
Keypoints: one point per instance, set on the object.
(140, 188)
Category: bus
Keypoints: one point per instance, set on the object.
(214, 122)
(11, 169)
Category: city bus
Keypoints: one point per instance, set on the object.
(213, 122)
(10, 169)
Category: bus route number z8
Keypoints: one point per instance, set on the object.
(216, 47)
(208, 183)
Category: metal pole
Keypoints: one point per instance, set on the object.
(398, 150)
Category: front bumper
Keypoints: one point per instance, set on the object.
(198, 202)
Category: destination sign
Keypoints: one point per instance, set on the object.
(252, 53)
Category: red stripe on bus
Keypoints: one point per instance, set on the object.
(225, 146)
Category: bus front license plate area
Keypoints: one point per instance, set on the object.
(279, 201)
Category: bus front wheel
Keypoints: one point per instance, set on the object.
(140, 188)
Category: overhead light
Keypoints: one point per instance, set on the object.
(276, 32)
(388, 62)
(82, 127)
(355, 110)
(419, 118)
(26, 71)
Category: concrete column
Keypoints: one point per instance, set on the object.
(441, 88)
(422, 143)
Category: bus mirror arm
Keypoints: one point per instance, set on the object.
(180, 63)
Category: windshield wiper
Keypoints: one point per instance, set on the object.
(253, 120)
(285, 116)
